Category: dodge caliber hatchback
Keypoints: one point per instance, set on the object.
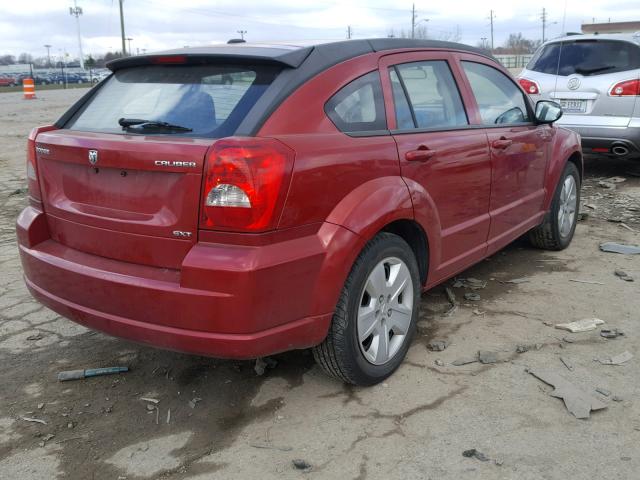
(305, 204)
(596, 79)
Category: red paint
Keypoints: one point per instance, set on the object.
(100, 246)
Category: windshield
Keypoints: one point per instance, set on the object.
(207, 100)
(586, 57)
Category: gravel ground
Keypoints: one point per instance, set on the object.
(226, 422)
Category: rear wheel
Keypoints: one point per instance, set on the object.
(559, 225)
(376, 315)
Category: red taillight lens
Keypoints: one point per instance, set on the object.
(32, 163)
(245, 183)
(628, 88)
(169, 60)
(529, 86)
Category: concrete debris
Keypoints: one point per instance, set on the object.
(616, 398)
(567, 364)
(590, 282)
(620, 359)
(40, 406)
(623, 275)
(437, 345)
(439, 363)
(477, 311)
(516, 281)
(473, 453)
(33, 420)
(603, 391)
(34, 337)
(194, 402)
(612, 247)
(525, 348)
(486, 357)
(583, 325)
(472, 297)
(579, 403)
(89, 372)
(45, 439)
(465, 361)
(150, 408)
(471, 283)
(607, 185)
(300, 464)
(611, 333)
(615, 179)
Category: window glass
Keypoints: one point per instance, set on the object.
(211, 100)
(586, 57)
(434, 100)
(500, 101)
(358, 106)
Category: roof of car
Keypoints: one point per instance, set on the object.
(295, 53)
(624, 37)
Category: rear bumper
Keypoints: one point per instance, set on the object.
(227, 301)
(604, 137)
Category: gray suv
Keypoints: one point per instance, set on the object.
(596, 79)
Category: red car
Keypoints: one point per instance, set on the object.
(7, 81)
(306, 204)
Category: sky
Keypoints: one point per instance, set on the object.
(161, 24)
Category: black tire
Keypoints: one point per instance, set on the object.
(339, 354)
(547, 235)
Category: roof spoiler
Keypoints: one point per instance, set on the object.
(199, 56)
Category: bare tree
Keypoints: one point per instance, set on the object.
(25, 58)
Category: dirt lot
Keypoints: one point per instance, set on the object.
(415, 425)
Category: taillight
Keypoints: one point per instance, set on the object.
(245, 183)
(32, 164)
(529, 86)
(628, 88)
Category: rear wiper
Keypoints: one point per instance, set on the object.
(127, 123)
(588, 71)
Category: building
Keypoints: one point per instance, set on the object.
(611, 27)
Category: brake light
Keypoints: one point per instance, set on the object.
(529, 86)
(169, 59)
(246, 179)
(628, 88)
(32, 164)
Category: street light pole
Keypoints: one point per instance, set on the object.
(77, 11)
(48, 47)
(242, 32)
(124, 48)
(129, 40)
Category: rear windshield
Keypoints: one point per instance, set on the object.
(209, 100)
(586, 57)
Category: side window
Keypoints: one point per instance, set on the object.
(500, 101)
(433, 97)
(358, 106)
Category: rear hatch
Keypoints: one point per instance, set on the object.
(581, 74)
(130, 189)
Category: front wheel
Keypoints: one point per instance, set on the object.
(376, 314)
(559, 225)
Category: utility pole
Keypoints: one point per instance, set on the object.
(48, 47)
(349, 32)
(129, 40)
(242, 32)
(124, 47)
(76, 11)
(492, 16)
(543, 17)
(413, 21)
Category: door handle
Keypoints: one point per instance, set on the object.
(502, 144)
(421, 154)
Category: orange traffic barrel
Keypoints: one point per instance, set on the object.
(29, 88)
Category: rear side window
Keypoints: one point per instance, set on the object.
(434, 100)
(499, 99)
(586, 57)
(211, 100)
(358, 106)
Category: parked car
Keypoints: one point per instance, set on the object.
(61, 78)
(307, 205)
(7, 81)
(596, 79)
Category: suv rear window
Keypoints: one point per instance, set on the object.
(586, 57)
(211, 100)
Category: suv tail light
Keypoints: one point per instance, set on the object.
(529, 86)
(245, 183)
(32, 164)
(628, 88)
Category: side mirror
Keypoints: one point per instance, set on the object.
(548, 111)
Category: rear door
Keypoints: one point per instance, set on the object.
(519, 150)
(580, 74)
(442, 153)
(119, 188)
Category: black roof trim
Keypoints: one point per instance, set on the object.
(289, 57)
(381, 44)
